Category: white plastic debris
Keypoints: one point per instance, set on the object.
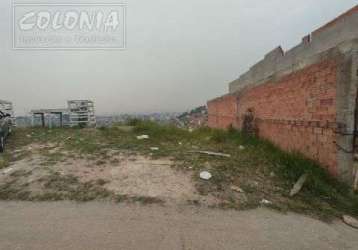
(241, 147)
(265, 202)
(142, 137)
(205, 175)
(154, 148)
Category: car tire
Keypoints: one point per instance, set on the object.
(2, 143)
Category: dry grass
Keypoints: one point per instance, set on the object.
(261, 170)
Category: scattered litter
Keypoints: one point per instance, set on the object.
(237, 189)
(299, 184)
(265, 202)
(205, 175)
(17, 151)
(180, 143)
(142, 137)
(68, 138)
(29, 148)
(211, 153)
(190, 130)
(28, 136)
(8, 170)
(154, 148)
(241, 147)
(272, 174)
(350, 221)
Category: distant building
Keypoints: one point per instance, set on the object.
(82, 113)
(78, 113)
(197, 117)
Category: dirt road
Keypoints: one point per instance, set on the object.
(65, 225)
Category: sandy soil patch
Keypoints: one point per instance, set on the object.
(121, 173)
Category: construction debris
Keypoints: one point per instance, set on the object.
(350, 221)
(299, 184)
(142, 137)
(211, 153)
(205, 175)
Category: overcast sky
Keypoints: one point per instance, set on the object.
(179, 54)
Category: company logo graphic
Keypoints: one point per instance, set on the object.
(69, 26)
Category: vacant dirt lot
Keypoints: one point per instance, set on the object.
(115, 173)
(121, 174)
(114, 164)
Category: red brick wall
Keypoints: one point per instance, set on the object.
(297, 112)
(222, 111)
